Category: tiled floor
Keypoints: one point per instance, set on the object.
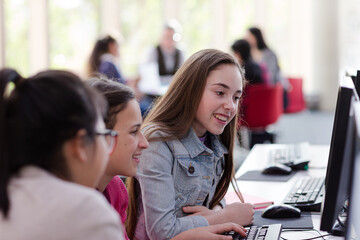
(310, 126)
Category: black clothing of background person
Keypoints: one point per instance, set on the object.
(253, 72)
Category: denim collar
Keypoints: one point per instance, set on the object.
(195, 147)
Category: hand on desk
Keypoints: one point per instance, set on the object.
(198, 210)
(240, 213)
(213, 232)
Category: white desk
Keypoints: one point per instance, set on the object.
(277, 191)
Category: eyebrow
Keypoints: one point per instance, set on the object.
(226, 87)
(136, 125)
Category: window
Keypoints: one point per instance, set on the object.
(73, 29)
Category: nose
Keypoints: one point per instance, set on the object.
(143, 143)
(230, 104)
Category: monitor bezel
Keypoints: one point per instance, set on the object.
(346, 96)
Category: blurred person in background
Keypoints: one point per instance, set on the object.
(253, 72)
(262, 54)
(103, 59)
(160, 64)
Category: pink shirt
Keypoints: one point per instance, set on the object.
(117, 195)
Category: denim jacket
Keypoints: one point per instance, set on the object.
(174, 174)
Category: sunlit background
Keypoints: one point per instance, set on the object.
(317, 40)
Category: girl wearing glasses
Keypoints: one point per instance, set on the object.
(53, 151)
(188, 166)
(124, 116)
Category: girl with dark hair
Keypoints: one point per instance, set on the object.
(53, 150)
(188, 167)
(263, 55)
(253, 72)
(124, 116)
(102, 59)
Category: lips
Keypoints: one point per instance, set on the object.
(136, 157)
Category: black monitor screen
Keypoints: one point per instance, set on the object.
(353, 219)
(336, 184)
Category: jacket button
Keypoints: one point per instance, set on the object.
(191, 169)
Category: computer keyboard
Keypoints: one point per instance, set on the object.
(307, 194)
(289, 155)
(266, 232)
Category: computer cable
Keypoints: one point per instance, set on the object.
(305, 230)
(342, 216)
(340, 221)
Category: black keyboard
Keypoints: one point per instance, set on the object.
(307, 194)
(266, 232)
(289, 154)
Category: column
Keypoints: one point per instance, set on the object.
(2, 34)
(170, 9)
(219, 25)
(325, 51)
(38, 36)
(110, 18)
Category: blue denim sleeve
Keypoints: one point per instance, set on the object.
(158, 194)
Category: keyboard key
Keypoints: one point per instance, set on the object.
(272, 231)
(306, 194)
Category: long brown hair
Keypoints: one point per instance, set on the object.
(133, 189)
(174, 113)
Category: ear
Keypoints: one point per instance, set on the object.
(76, 147)
(80, 146)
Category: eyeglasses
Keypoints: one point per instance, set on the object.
(110, 136)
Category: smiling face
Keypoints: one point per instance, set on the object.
(220, 99)
(130, 141)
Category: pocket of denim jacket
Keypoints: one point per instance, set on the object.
(186, 175)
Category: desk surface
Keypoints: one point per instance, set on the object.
(276, 191)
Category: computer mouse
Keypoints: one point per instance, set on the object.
(300, 165)
(281, 211)
(277, 169)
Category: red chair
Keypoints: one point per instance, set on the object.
(295, 95)
(262, 106)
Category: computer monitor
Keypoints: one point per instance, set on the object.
(356, 80)
(353, 214)
(336, 181)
